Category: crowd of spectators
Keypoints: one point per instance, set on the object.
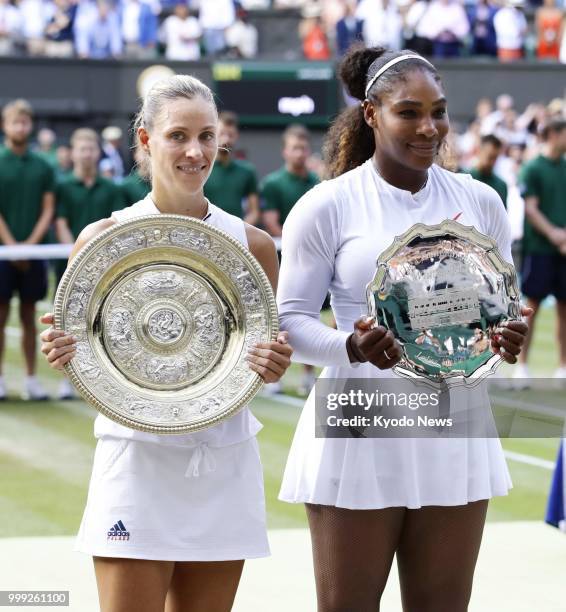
(182, 30)
(190, 29)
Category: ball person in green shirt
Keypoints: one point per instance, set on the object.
(543, 186)
(279, 192)
(281, 189)
(489, 151)
(27, 183)
(83, 198)
(232, 186)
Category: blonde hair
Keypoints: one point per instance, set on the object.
(171, 88)
(83, 134)
(17, 107)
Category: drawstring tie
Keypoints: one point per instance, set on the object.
(201, 458)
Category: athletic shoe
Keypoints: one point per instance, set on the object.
(66, 390)
(2, 389)
(33, 390)
(521, 377)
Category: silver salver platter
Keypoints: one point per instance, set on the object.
(444, 290)
(164, 309)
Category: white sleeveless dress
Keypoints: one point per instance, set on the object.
(191, 497)
(331, 241)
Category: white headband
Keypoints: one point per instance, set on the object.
(390, 63)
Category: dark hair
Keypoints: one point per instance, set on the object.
(229, 119)
(492, 140)
(554, 126)
(350, 141)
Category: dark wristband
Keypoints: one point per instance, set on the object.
(353, 353)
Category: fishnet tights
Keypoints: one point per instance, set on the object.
(436, 547)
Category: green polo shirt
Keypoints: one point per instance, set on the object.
(134, 188)
(493, 181)
(281, 189)
(24, 180)
(81, 205)
(229, 184)
(545, 179)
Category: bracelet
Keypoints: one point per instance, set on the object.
(353, 352)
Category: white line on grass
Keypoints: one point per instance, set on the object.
(529, 460)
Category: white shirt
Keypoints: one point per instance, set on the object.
(10, 19)
(510, 27)
(441, 17)
(131, 21)
(216, 14)
(242, 36)
(176, 32)
(382, 26)
(333, 235)
(35, 15)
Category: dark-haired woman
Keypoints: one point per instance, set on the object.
(368, 499)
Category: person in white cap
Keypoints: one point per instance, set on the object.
(370, 497)
(171, 518)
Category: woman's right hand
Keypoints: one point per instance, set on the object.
(58, 346)
(374, 344)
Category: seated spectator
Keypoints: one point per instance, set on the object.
(35, 17)
(446, 24)
(59, 34)
(215, 17)
(349, 29)
(139, 28)
(481, 16)
(311, 31)
(382, 23)
(181, 33)
(97, 32)
(241, 37)
(483, 170)
(510, 29)
(10, 26)
(415, 39)
(548, 22)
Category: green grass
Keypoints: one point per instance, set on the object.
(46, 451)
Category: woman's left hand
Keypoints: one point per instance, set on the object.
(510, 336)
(271, 359)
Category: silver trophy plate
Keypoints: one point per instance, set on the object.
(443, 290)
(164, 309)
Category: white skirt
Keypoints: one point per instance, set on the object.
(175, 503)
(374, 473)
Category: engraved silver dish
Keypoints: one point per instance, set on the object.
(164, 309)
(443, 290)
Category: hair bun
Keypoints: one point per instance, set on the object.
(354, 68)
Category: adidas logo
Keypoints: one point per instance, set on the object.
(118, 532)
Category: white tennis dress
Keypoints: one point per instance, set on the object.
(331, 241)
(190, 497)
